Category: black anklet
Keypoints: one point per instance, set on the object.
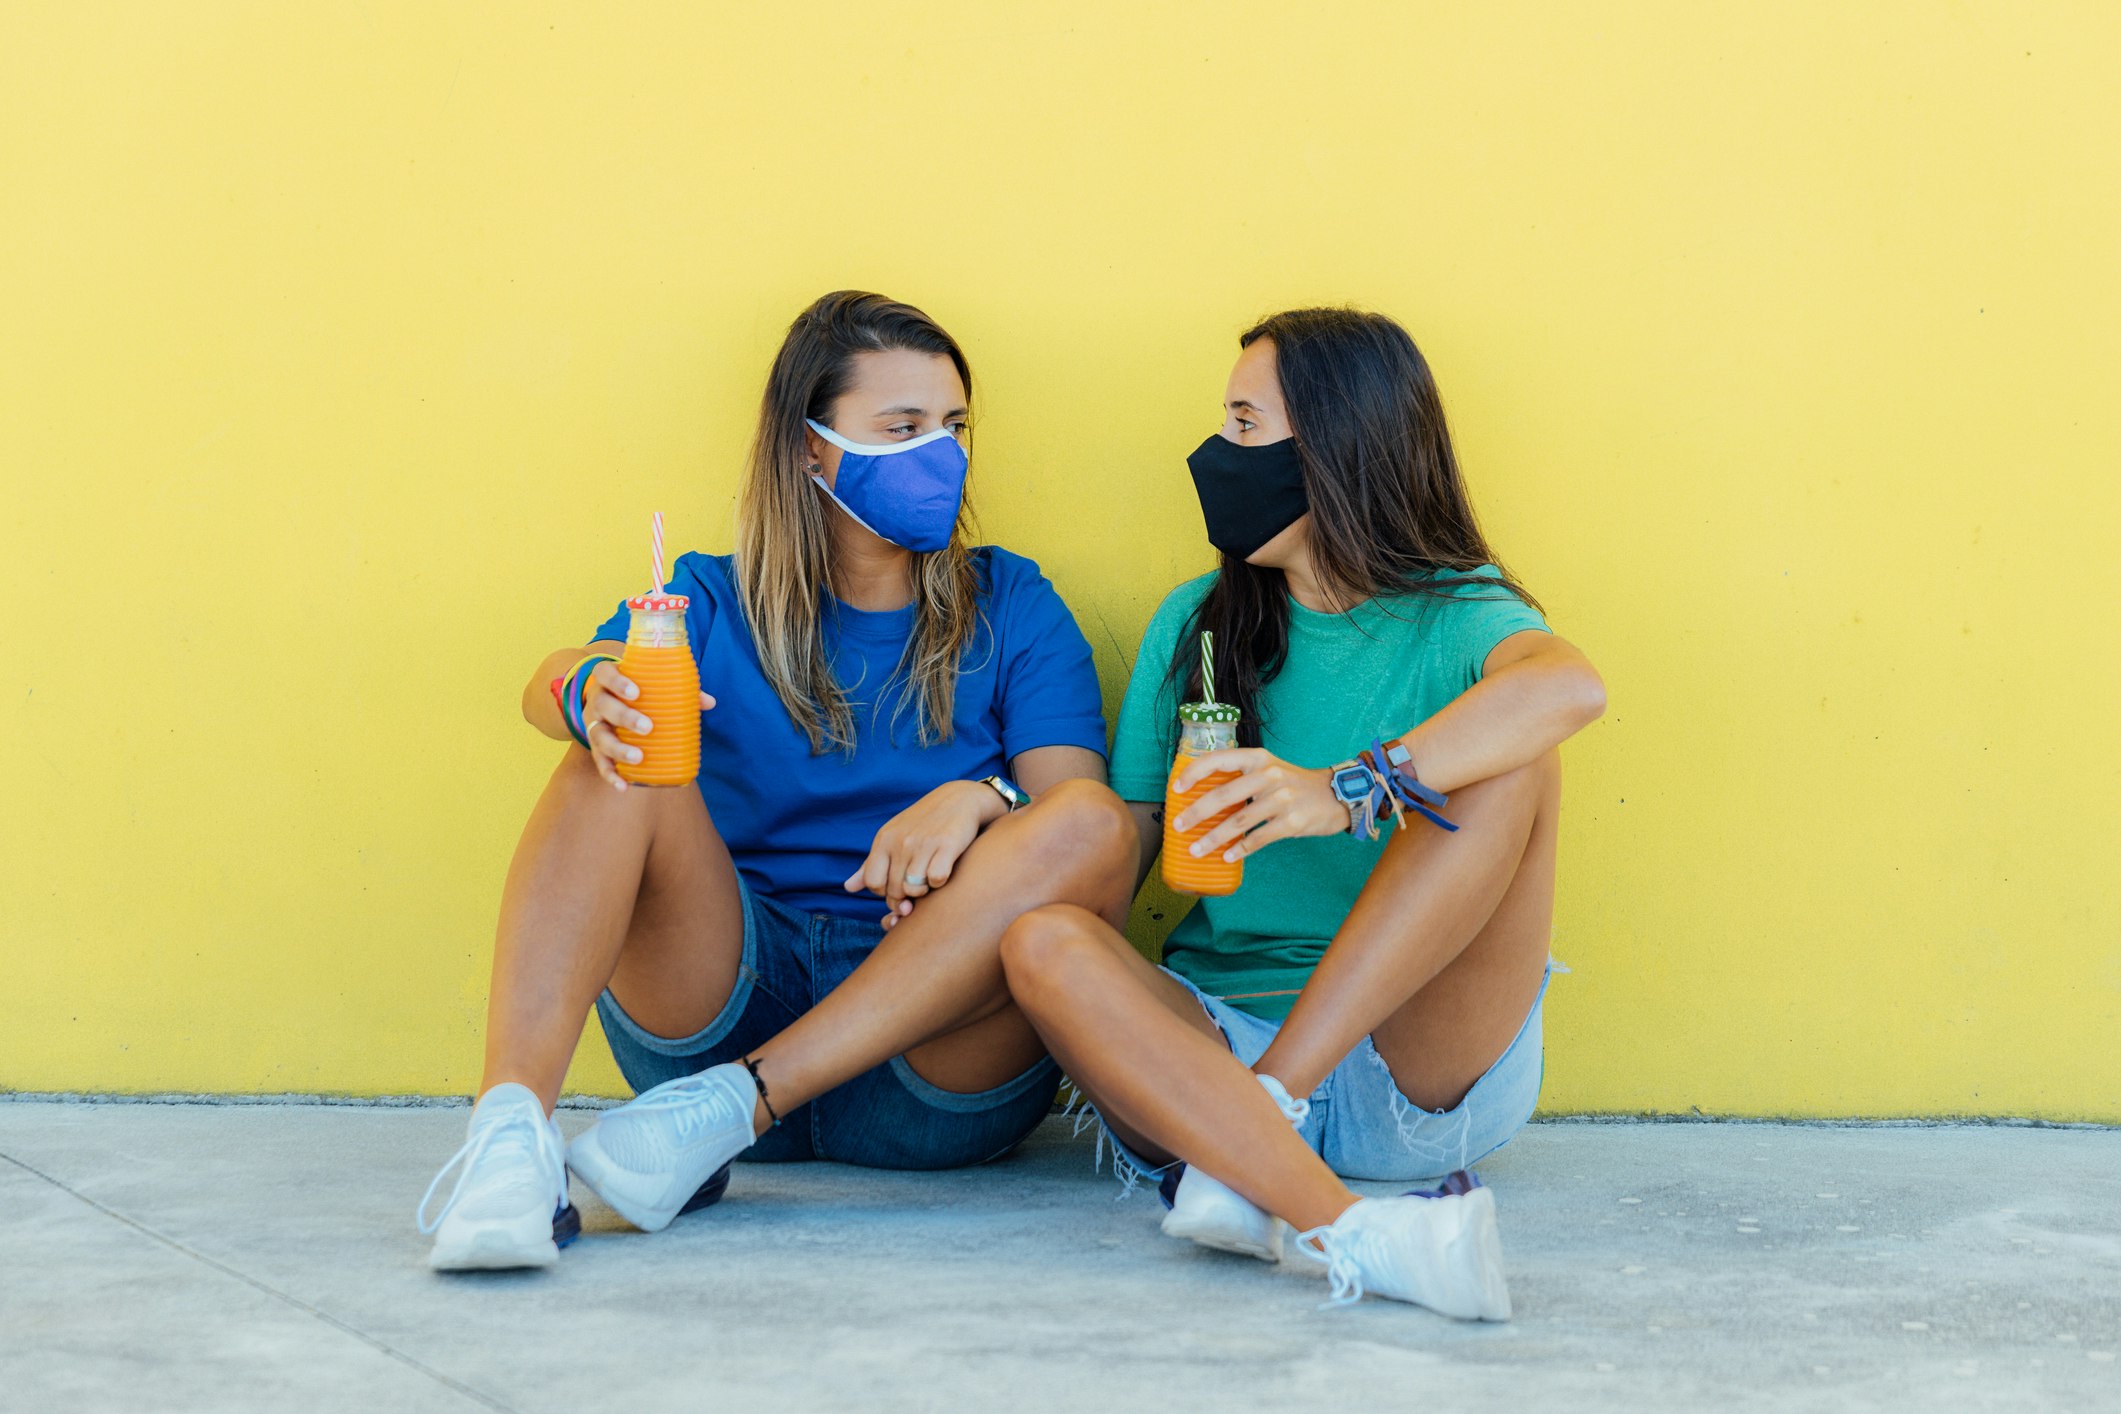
(771, 1113)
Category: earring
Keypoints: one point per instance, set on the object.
(812, 468)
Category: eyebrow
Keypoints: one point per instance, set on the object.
(916, 412)
(1241, 403)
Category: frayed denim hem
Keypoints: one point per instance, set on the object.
(1407, 1118)
(1126, 1167)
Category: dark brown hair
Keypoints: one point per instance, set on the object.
(1390, 517)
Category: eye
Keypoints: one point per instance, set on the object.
(1245, 424)
(959, 429)
(903, 429)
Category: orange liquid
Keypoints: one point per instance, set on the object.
(1213, 876)
(670, 698)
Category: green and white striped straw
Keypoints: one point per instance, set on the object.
(1207, 665)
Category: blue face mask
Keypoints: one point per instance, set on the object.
(905, 492)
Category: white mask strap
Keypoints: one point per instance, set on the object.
(884, 449)
(850, 510)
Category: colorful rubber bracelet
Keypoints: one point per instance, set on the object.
(572, 698)
(578, 685)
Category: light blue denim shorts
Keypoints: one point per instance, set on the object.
(1361, 1124)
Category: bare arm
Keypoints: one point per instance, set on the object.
(1536, 690)
(926, 838)
(538, 707)
(1044, 767)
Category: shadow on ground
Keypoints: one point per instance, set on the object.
(177, 1257)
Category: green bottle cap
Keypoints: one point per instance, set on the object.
(1208, 712)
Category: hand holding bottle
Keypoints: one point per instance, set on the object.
(607, 703)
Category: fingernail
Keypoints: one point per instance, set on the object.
(632, 692)
(632, 755)
(643, 727)
(1194, 850)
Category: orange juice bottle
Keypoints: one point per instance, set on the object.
(1202, 727)
(658, 660)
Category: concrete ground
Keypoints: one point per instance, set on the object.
(176, 1257)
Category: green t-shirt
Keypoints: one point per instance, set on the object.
(1381, 669)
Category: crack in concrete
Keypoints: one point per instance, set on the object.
(453, 1385)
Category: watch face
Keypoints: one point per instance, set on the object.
(1351, 784)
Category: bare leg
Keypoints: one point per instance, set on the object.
(1468, 914)
(631, 889)
(1161, 1077)
(1440, 958)
(933, 989)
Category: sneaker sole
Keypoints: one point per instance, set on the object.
(497, 1249)
(709, 1193)
(1224, 1240)
(1486, 1239)
(705, 1196)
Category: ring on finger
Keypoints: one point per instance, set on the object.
(916, 881)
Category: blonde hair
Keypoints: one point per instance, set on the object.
(784, 531)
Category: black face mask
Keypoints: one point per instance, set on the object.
(1248, 495)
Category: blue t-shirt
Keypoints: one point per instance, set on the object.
(798, 824)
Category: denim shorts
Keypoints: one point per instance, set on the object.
(1361, 1124)
(886, 1118)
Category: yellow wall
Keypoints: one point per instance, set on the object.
(344, 347)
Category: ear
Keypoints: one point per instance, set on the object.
(820, 458)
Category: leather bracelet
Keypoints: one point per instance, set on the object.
(1401, 781)
(759, 1082)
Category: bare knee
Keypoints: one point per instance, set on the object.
(1081, 823)
(1050, 951)
(578, 785)
(1524, 789)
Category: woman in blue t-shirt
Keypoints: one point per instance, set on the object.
(887, 714)
(1361, 1006)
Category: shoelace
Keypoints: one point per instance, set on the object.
(1342, 1251)
(543, 1150)
(697, 1103)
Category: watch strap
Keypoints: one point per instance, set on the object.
(1012, 794)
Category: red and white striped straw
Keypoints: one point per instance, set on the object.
(655, 536)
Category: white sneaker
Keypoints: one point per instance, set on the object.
(648, 1157)
(1440, 1251)
(509, 1207)
(1213, 1214)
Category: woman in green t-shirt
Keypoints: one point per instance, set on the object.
(1367, 1003)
